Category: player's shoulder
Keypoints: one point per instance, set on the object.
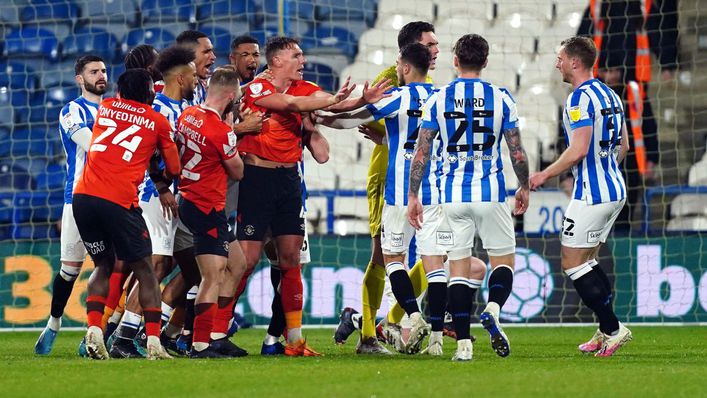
(388, 73)
(303, 87)
(259, 88)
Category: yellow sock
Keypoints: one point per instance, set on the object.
(373, 284)
(419, 285)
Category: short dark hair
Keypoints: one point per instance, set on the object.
(244, 39)
(412, 32)
(134, 85)
(172, 57)
(190, 37)
(472, 51)
(417, 55)
(582, 48)
(277, 43)
(143, 56)
(86, 59)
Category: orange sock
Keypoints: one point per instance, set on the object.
(94, 310)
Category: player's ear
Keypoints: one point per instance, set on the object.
(79, 79)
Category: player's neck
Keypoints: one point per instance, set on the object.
(173, 92)
(96, 99)
(470, 74)
(581, 78)
(419, 79)
(281, 83)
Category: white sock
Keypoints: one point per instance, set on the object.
(131, 320)
(216, 336)
(115, 318)
(54, 323)
(356, 319)
(579, 271)
(172, 331)
(69, 273)
(270, 340)
(200, 346)
(294, 335)
(493, 308)
(166, 312)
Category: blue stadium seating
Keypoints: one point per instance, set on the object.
(45, 105)
(15, 75)
(298, 18)
(91, 41)
(31, 42)
(321, 74)
(50, 11)
(14, 178)
(156, 37)
(244, 10)
(165, 11)
(262, 35)
(51, 178)
(331, 40)
(62, 93)
(347, 10)
(220, 38)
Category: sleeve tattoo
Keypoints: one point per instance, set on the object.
(519, 159)
(421, 159)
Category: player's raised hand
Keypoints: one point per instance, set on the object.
(250, 122)
(377, 92)
(415, 212)
(536, 180)
(371, 134)
(265, 75)
(522, 200)
(344, 91)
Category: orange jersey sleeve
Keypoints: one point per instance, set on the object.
(125, 135)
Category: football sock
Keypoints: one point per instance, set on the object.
(373, 284)
(189, 310)
(460, 294)
(419, 285)
(54, 323)
(590, 288)
(242, 284)
(270, 339)
(602, 275)
(63, 284)
(203, 324)
(277, 320)
(128, 325)
(402, 287)
(94, 310)
(475, 285)
(291, 290)
(437, 298)
(152, 321)
(500, 285)
(223, 316)
(357, 321)
(167, 312)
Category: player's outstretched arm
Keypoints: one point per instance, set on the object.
(418, 168)
(519, 160)
(571, 156)
(287, 103)
(370, 95)
(345, 120)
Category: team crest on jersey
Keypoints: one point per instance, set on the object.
(604, 153)
(575, 113)
(232, 139)
(249, 230)
(256, 88)
(408, 155)
(452, 158)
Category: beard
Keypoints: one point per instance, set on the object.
(188, 94)
(229, 108)
(91, 88)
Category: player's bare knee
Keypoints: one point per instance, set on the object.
(477, 269)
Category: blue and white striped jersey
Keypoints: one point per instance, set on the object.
(171, 109)
(199, 95)
(471, 115)
(403, 113)
(74, 116)
(597, 178)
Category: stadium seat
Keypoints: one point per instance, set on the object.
(346, 10)
(523, 24)
(503, 41)
(463, 9)
(698, 173)
(262, 35)
(9, 14)
(539, 137)
(566, 7)
(15, 75)
(109, 12)
(220, 38)
(698, 223)
(155, 37)
(168, 11)
(361, 71)
(688, 204)
(502, 74)
(31, 42)
(395, 21)
(539, 101)
(381, 56)
(51, 178)
(447, 30)
(539, 9)
(45, 105)
(58, 16)
(62, 93)
(549, 40)
(422, 9)
(299, 15)
(219, 10)
(90, 41)
(14, 178)
(293, 27)
(378, 39)
(322, 75)
(7, 114)
(330, 41)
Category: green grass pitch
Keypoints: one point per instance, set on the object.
(544, 362)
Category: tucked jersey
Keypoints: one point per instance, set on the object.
(471, 115)
(125, 136)
(597, 178)
(170, 109)
(205, 141)
(280, 139)
(402, 113)
(74, 116)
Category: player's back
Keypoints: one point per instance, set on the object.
(598, 178)
(75, 115)
(471, 115)
(125, 136)
(205, 141)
